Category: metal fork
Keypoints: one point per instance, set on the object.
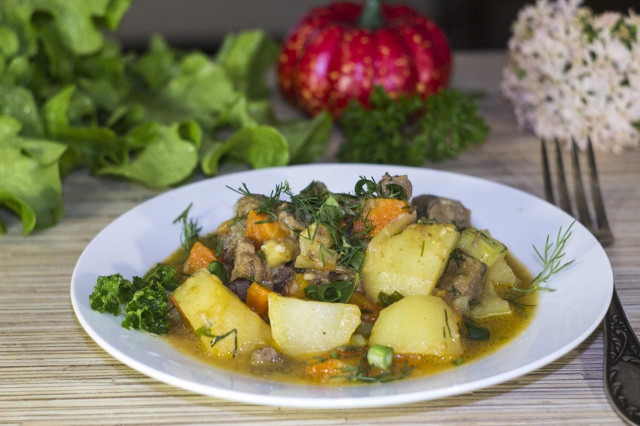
(621, 346)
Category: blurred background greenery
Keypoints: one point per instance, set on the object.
(469, 24)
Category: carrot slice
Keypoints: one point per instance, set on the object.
(200, 257)
(378, 213)
(258, 299)
(260, 230)
(333, 364)
(370, 310)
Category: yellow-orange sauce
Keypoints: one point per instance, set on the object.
(502, 328)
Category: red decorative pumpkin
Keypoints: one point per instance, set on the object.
(340, 52)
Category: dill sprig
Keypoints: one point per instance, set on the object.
(190, 229)
(551, 259)
(336, 212)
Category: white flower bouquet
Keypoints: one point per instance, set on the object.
(573, 74)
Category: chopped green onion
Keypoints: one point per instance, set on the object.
(218, 269)
(385, 299)
(338, 291)
(476, 333)
(380, 356)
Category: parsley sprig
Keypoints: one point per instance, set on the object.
(410, 130)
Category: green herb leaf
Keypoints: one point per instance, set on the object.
(218, 269)
(551, 258)
(30, 177)
(190, 229)
(390, 133)
(385, 299)
(260, 146)
(164, 156)
(475, 332)
(148, 310)
(307, 139)
(336, 292)
(165, 275)
(109, 293)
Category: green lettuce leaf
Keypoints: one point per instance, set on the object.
(30, 177)
(94, 145)
(308, 139)
(260, 146)
(75, 20)
(18, 102)
(163, 156)
(246, 57)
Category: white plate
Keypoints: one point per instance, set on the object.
(131, 244)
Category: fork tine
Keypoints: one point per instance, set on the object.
(601, 217)
(546, 173)
(563, 191)
(581, 202)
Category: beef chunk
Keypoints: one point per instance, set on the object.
(266, 357)
(278, 277)
(289, 220)
(402, 181)
(240, 287)
(247, 264)
(464, 278)
(315, 189)
(442, 210)
(420, 204)
(445, 210)
(247, 203)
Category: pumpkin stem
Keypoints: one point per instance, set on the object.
(371, 15)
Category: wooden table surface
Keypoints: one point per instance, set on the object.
(51, 371)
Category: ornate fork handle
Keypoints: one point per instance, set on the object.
(621, 363)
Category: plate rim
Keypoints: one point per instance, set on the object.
(333, 402)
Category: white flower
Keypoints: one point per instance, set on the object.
(575, 75)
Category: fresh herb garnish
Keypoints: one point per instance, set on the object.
(395, 131)
(385, 299)
(458, 361)
(165, 275)
(335, 292)
(360, 373)
(551, 259)
(205, 331)
(190, 229)
(475, 332)
(380, 356)
(110, 293)
(148, 310)
(218, 269)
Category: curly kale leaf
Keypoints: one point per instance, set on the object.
(410, 130)
(148, 310)
(165, 275)
(110, 293)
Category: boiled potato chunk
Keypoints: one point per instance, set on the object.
(205, 302)
(480, 245)
(418, 325)
(304, 326)
(410, 262)
(490, 304)
(278, 251)
(315, 249)
(501, 274)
